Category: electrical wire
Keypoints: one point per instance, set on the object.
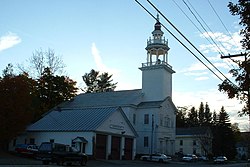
(186, 40)
(222, 22)
(220, 52)
(214, 43)
(180, 41)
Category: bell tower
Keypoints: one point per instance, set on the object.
(156, 72)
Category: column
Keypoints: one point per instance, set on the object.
(134, 149)
(122, 147)
(108, 147)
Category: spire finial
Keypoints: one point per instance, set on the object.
(157, 17)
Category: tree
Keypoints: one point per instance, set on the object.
(241, 74)
(207, 116)
(224, 137)
(243, 10)
(181, 120)
(17, 104)
(53, 90)
(44, 59)
(192, 119)
(97, 82)
(201, 114)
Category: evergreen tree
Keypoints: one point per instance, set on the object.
(201, 115)
(97, 82)
(207, 116)
(181, 120)
(192, 119)
(214, 118)
(224, 138)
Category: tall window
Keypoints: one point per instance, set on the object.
(194, 142)
(146, 141)
(134, 119)
(181, 142)
(146, 119)
(32, 141)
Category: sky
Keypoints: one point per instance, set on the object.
(110, 36)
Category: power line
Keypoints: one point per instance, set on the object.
(187, 39)
(179, 41)
(221, 22)
(206, 26)
(223, 26)
(220, 52)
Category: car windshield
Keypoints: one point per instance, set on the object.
(45, 147)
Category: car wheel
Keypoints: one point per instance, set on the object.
(59, 161)
(45, 162)
(83, 162)
(144, 159)
(161, 160)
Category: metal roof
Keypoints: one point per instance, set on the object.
(105, 99)
(192, 131)
(88, 119)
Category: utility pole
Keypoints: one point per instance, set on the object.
(247, 69)
(152, 136)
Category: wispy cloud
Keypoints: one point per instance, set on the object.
(201, 78)
(9, 40)
(215, 101)
(103, 68)
(225, 43)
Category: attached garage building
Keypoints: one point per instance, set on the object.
(102, 133)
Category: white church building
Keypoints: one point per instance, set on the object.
(117, 124)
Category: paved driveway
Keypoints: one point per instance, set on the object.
(9, 160)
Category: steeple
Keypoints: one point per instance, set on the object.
(157, 48)
(156, 72)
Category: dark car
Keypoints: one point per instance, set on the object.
(190, 158)
(220, 160)
(26, 149)
(60, 154)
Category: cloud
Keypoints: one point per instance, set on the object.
(201, 78)
(9, 40)
(103, 68)
(215, 100)
(224, 43)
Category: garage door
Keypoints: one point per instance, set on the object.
(101, 141)
(128, 148)
(115, 147)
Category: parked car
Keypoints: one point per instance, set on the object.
(60, 154)
(26, 149)
(220, 160)
(190, 158)
(202, 158)
(156, 157)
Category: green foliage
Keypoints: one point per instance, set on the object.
(53, 90)
(192, 119)
(97, 82)
(201, 114)
(24, 100)
(241, 74)
(225, 137)
(17, 104)
(207, 116)
(181, 120)
(243, 10)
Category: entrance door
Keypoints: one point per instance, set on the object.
(101, 141)
(115, 147)
(128, 148)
